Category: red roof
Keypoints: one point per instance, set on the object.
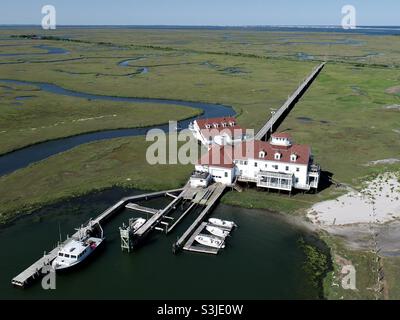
(222, 156)
(203, 122)
(282, 135)
(235, 131)
(217, 157)
(251, 150)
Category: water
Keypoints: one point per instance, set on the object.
(50, 50)
(261, 261)
(26, 156)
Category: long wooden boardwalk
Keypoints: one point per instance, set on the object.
(35, 270)
(269, 125)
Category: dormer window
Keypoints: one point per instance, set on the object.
(277, 156)
(216, 125)
(232, 124)
(261, 154)
(224, 124)
(293, 157)
(208, 126)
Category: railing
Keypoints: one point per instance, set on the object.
(281, 186)
(247, 179)
(263, 131)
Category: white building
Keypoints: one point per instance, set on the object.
(278, 164)
(220, 131)
(219, 164)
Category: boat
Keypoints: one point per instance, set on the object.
(222, 223)
(136, 224)
(217, 231)
(210, 241)
(78, 248)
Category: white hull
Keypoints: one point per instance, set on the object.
(62, 263)
(217, 231)
(210, 241)
(222, 223)
(138, 224)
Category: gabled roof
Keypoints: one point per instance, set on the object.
(217, 157)
(251, 149)
(202, 123)
(281, 135)
(234, 132)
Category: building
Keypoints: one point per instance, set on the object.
(278, 164)
(218, 162)
(220, 131)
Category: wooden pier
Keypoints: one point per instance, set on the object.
(36, 269)
(134, 206)
(269, 127)
(217, 191)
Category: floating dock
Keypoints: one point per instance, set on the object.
(36, 269)
(189, 245)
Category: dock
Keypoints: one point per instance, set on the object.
(134, 206)
(212, 198)
(36, 270)
(189, 245)
(268, 127)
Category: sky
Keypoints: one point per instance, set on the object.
(201, 12)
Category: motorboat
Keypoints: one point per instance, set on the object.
(222, 223)
(136, 224)
(210, 241)
(77, 249)
(223, 233)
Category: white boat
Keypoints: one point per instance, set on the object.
(217, 231)
(222, 223)
(210, 241)
(137, 223)
(76, 249)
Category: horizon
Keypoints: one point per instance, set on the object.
(204, 25)
(238, 13)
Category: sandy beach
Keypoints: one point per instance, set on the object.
(378, 203)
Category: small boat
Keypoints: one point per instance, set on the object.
(137, 224)
(210, 241)
(217, 231)
(77, 249)
(222, 223)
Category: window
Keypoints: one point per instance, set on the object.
(266, 165)
(275, 166)
(245, 163)
(287, 168)
(73, 257)
(66, 255)
(226, 174)
(61, 254)
(297, 180)
(297, 169)
(241, 162)
(255, 164)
